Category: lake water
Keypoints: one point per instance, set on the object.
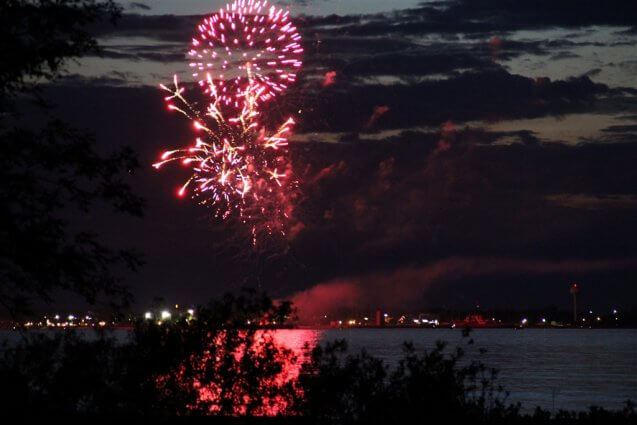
(553, 368)
(568, 369)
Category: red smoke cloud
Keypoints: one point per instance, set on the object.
(403, 286)
(331, 170)
(378, 112)
(447, 135)
(495, 45)
(329, 78)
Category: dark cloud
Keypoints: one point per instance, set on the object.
(593, 72)
(497, 16)
(629, 64)
(370, 51)
(167, 28)
(620, 133)
(157, 53)
(419, 83)
(417, 197)
(490, 95)
(328, 46)
(386, 56)
(472, 17)
(621, 129)
(594, 202)
(137, 5)
(110, 79)
(566, 55)
(415, 64)
(293, 2)
(378, 208)
(407, 288)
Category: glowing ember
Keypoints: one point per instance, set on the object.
(243, 56)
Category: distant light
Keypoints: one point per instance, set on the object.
(385, 314)
(176, 305)
(191, 311)
(71, 317)
(614, 311)
(590, 311)
(148, 315)
(57, 317)
(416, 321)
(340, 322)
(599, 318)
(102, 323)
(543, 320)
(524, 321)
(366, 318)
(165, 315)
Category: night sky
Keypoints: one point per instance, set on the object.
(449, 153)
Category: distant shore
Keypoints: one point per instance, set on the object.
(327, 327)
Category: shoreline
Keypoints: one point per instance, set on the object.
(322, 328)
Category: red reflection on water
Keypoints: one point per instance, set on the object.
(299, 342)
(241, 374)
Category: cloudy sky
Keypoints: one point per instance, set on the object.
(449, 153)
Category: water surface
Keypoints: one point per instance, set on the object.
(568, 369)
(553, 368)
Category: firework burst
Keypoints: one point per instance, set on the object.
(243, 58)
(243, 39)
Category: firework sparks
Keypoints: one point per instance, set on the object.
(246, 37)
(242, 58)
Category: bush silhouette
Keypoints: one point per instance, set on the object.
(225, 363)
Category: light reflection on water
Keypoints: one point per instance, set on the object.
(551, 368)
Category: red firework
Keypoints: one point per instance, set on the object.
(238, 166)
(246, 37)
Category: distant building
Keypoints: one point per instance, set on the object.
(379, 318)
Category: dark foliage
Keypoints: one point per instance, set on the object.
(40, 36)
(226, 363)
(223, 362)
(53, 176)
(363, 389)
(438, 386)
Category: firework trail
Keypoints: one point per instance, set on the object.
(242, 56)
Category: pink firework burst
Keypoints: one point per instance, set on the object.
(246, 37)
(239, 167)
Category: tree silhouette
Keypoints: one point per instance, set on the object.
(223, 361)
(51, 171)
(438, 384)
